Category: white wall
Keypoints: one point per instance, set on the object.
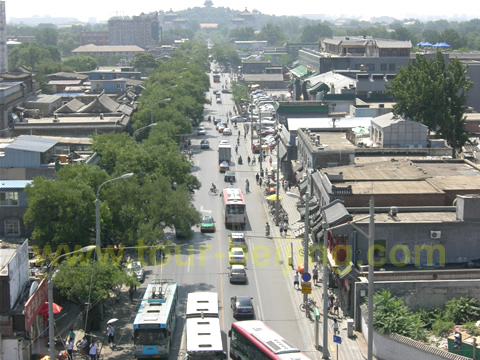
(18, 272)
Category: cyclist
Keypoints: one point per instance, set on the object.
(213, 188)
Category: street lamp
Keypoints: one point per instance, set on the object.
(158, 102)
(138, 130)
(51, 320)
(97, 211)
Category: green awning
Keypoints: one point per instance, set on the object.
(292, 82)
(318, 87)
(299, 71)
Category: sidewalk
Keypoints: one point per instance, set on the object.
(354, 348)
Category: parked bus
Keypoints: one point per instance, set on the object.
(253, 339)
(216, 78)
(156, 318)
(234, 208)
(204, 337)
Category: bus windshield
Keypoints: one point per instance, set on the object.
(150, 337)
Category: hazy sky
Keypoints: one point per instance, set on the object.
(104, 9)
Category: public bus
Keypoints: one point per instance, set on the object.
(216, 78)
(204, 337)
(155, 321)
(234, 207)
(252, 339)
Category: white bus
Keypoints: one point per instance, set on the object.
(234, 207)
(204, 337)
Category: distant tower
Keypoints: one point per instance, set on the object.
(208, 3)
(3, 38)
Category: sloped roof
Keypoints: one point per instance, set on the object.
(394, 44)
(338, 80)
(299, 71)
(71, 107)
(67, 76)
(125, 109)
(107, 48)
(103, 103)
(389, 119)
(335, 213)
(32, 143)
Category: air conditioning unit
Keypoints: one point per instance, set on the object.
(435, 235)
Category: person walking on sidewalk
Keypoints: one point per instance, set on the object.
(335, 327)
(257, 177)
(315, 275)
(295, 280)
(260, 182)
(93, 350)
(111, 334)
(336, 304)
(69, 348)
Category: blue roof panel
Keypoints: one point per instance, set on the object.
(32, 143)
(14, 184)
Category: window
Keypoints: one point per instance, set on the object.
(12, 227)
(9, 198)
(391, 67)
(380, 248)
(371, 67)
(383, 67)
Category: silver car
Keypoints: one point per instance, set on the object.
(237, 274)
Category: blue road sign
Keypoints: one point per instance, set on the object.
(306, 277)
(337, 339)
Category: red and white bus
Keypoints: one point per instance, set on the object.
(234, 208)
(253, 339)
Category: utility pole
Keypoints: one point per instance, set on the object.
(371, 243)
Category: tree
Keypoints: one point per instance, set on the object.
(273, 34)
(47, 36)
(144, 61)
(313, 33)
(81, 63)
(243, 33)
(391, 315)
(435, 94)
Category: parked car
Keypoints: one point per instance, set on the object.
(237, 274)
(136, 270)
(239, 118)
(227, 91)
(204, 144)
(242, 306)
(236, 256)
(208, 224)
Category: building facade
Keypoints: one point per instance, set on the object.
(139, 30)
(3, 38)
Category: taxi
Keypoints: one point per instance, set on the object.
(237, 240)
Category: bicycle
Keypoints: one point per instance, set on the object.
(213, 192)
(308, 305)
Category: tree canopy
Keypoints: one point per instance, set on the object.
(435, 94)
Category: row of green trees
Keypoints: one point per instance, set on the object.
(62, 211)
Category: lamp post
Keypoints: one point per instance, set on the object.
(277, 141)
(97, 211)
(305, 241)
(51, 320)
(139, 129)
(158, 102)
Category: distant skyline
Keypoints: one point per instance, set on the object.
(104, 9)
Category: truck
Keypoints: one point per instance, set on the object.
(224, 153)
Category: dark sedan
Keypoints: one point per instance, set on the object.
(242, 306)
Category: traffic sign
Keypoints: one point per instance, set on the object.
(306, 288)
(337, 339)
(306, 277)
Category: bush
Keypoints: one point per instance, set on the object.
(462, 310)
(429, 316)
(471, 328)
(442, 328)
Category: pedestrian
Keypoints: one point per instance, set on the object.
(336, 305)
(295, 280)
(93, 350)
(260, 182)
(285, 228)
(285, 218)
(69, 348)
(285, 185)
(71, 336)
(315, 274)
(257, 177)
(329, 305)
(249, 159)
(335, 327)
(236, 149)
(281, 230)
(245, 136)
(130, 293)
(261, 173)
(259, 158)
(83, 346)
(247, 186)
(111, 334)
(253, 161)
(270, 160)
